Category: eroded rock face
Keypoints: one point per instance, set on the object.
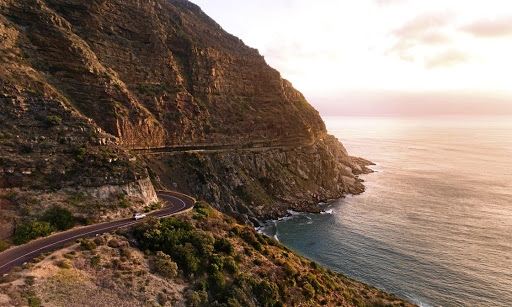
(160, 72)
(263, 183)
(141, 189)
(84, 82)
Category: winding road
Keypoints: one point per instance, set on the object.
(175, 203)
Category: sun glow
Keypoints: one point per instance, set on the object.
(333, 47)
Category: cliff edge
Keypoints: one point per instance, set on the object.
(108, 94)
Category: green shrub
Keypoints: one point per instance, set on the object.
(223, 245)
(308, 291)
(289, 269)
(95, 261)
(30, 280)
(86, 244)
(80, 152)
(196, 298)
(217, 282)
(190, 248)
(218, 261)
(53, 120)
(230, 265)
(60, 218)
(34, 301)
(126, 252)
(3, 245)
(124, 203)
(63, 264)
(267, 293)
(156, 206)
(77, 198)
(32, 230)
(203, 212)
(165, 266)
(99, 241)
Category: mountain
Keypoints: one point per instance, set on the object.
(106, 98)
(104, 101)
(207, 260)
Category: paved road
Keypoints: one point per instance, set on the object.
(256, 145)
(17, 256)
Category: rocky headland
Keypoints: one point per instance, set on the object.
(98, 95)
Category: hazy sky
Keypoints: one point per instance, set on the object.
(392, 57)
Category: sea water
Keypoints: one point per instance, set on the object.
(435, 223)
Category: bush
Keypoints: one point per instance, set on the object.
(34, 301)
(95, 261)
(267, 292)
(53, 120)
(203, 212)
(196, 298)
(216, 282)
(126, 252)
(60, 218)
(77, 198)
(223, 245)
(63, 264)
(30, 280)
(32, 230)
(114, 243)
(308, 291)
(165, 266)
(99, 241)
(87, 244)
(3, 245)
(289, 269)
(230, 265)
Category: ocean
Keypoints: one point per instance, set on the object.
(435, 223)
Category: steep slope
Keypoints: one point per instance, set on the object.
(50, 152)
(207, 260)
(160, 75)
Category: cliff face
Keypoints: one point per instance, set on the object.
(160, 72)
(84, 82)
(265, 182)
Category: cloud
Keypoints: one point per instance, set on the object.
(490, 28)
(389, 2)
(434, 38)
(423, 24)
(427, 29)
(448, 58)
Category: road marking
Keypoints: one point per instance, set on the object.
(77, 236)
(99, 230)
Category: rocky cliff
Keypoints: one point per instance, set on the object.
(262, 183)
(159, 72)
(84, 82)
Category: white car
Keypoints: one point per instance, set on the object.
(138, 216)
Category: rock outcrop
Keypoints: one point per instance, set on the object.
(84, 82)
(159, 72)
(263, 183)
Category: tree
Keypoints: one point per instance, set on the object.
(59, 217)
(165, 266)
(32, 230)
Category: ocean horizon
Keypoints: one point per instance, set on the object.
(435, 223)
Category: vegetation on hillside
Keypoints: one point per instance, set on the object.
(232, 265)
(201, 258)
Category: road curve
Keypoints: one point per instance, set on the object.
(174, 203)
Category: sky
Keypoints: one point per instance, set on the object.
(383, 57)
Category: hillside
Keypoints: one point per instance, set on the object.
(208, 260)
(100, 97)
